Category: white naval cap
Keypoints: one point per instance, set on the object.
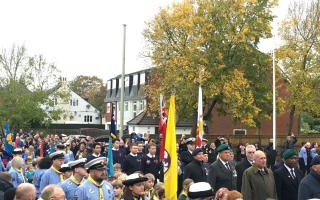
(56, 155)
(96, 163)
(200, 190)
(77, 163)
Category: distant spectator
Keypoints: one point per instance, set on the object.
(290, 142)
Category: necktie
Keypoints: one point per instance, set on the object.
(292, 173)
(228, 167)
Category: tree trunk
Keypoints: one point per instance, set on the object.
(213, 103)
(291, 117)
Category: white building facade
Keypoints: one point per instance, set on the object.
(76, 110)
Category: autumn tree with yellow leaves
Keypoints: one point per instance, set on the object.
(212, 43)
(299, 57)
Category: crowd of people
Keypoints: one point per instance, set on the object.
(45, 167)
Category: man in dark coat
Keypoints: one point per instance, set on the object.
(186, 156)
(204, 146)
(288, 176)
(221, 173)
(309, 187)
(195, 169)
(244, 164)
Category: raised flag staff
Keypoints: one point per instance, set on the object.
(162, 126)
(199, 132)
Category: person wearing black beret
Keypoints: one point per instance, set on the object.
(288, 176)
(95, 187)
(195, 169)
(221, 172)
(134, 187)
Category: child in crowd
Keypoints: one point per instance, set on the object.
(149, 185)
(117, 189)
(158, 192)
(185, 188)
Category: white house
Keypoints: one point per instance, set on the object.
(76, 110)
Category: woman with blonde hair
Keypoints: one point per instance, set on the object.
(16, 171)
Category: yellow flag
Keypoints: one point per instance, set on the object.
(170, 155)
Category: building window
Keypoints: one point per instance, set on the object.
(87, 118)
(74, 102)
(126, 106)
(134, 113)
(134, 106)
(141, 107)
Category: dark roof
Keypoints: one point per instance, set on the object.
(144, 119)
(136, 72)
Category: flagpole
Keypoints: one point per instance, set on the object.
(274, 125)
(122, 82)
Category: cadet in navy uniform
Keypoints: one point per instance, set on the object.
(52, 175)
(95, 187)
(204, 146)
(186, 156)
(96, 151)
(117, 153)
(70, 185)
(132, 162)
(151, 162)
(134, 187)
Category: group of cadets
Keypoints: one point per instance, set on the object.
(204, 171)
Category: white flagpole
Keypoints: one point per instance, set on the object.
(122, 82)
(274, 116)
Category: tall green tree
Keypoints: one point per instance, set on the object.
(22, 98)
(90, 88)
(212, 43)
(299, 57)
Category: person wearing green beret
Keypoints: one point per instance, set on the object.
(288, 176)
(222, 173)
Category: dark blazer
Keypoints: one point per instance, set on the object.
(186, 158)
(195, 170)
(219, 176)
(240, 168)
(287, 187)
